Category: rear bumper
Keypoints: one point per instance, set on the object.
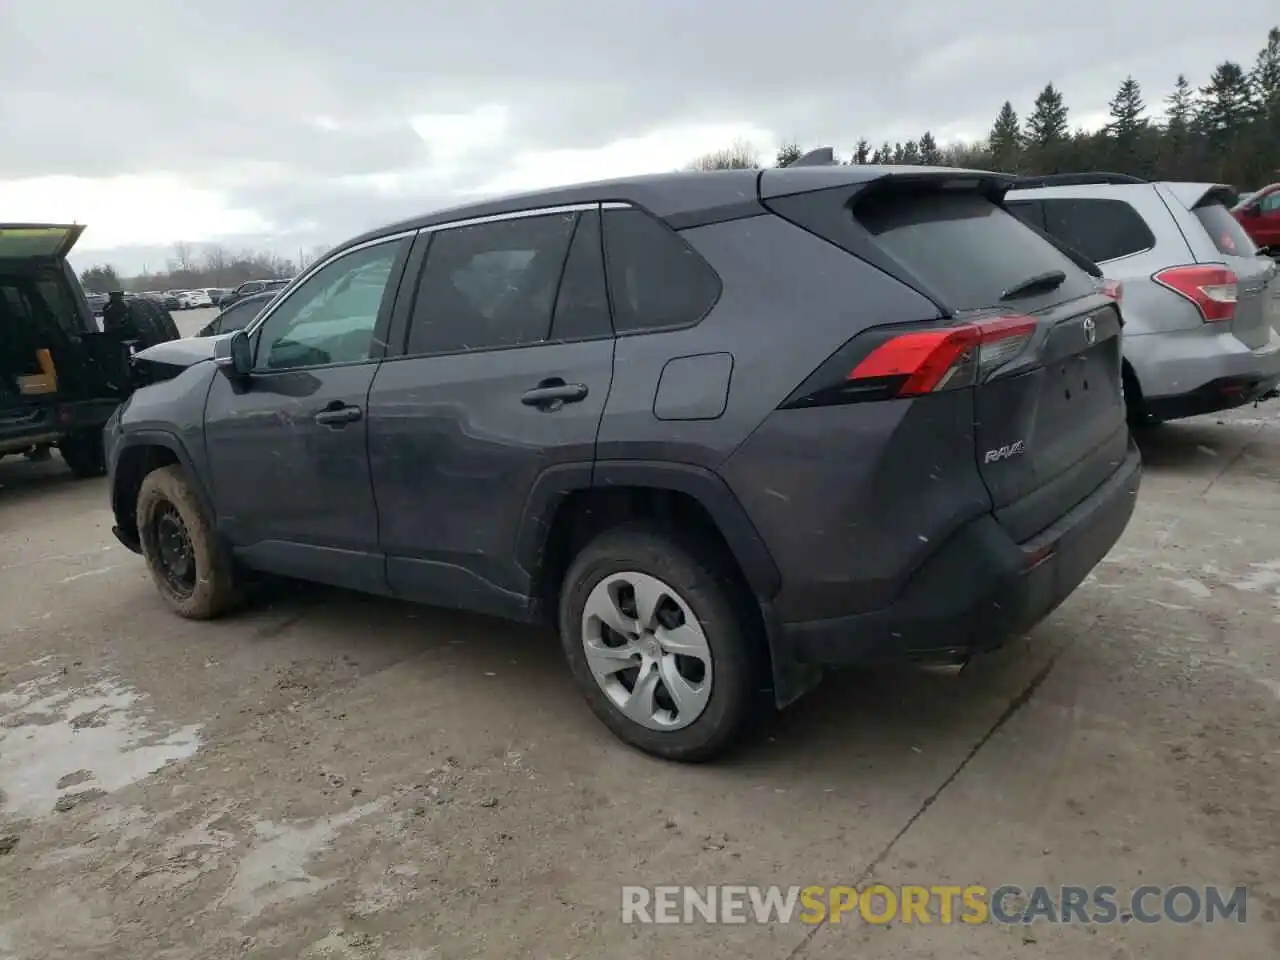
(980, 587)
(37, 424)
(1185, 373)
(1222, 394)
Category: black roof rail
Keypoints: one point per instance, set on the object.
(1073, 180)
(818, 157)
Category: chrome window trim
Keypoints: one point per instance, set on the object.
(513, 215)
(315, 268)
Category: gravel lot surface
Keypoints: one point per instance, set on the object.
(328, 775)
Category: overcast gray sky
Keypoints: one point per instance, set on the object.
(285, 126)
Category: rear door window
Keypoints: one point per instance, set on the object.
(490, 285)
(963, 247)
(1100, 229)
(657, 281)
(1225, 231)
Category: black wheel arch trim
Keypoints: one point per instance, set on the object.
(700, 483)
(172, 443)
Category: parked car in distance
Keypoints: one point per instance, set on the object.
(1259, 215)
(216, 294)
(237, 316)
(191, 299)
(1202, 319)
(251, 287)
(61, 377)
(571, 407)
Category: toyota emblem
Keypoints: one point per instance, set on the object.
(1090, 331)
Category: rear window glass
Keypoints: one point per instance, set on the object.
(1227, 234)
(963, 247)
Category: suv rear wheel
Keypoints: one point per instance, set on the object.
(660, 642)
(181, 549)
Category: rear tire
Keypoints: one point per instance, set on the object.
(697, 606)
(190, 569)
(83, 453)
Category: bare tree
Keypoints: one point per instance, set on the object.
(216, 260)
(214, 266)
(740, 155)
(184, 257)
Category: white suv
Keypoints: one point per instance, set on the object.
(1201, 307)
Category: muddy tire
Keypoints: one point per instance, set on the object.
(83, 453)
(192, 571)
(153, 321)
(662, 642)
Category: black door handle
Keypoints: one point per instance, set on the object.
(554, 392)
(337, 416)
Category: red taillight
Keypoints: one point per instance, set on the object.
(932, 360)
(1113, 289)
(1211, 288)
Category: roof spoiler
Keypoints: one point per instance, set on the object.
(1074, 180)
(819, 157)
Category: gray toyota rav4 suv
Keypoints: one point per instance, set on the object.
(721, 429)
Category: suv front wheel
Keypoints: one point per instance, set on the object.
(181, 549)
(661, 642)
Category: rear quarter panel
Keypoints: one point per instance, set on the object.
(789, 301)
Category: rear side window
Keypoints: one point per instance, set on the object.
(1227, 234)
(490, 284)
(1028, 211)
(1100, 229)
(963, 247)
(656, 279)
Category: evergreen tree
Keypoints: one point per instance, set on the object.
(930, 155)
(1225, 111)
(1127, 130)
(898, 156)
(1005, 140)
(1265, 79)
(1046, 134)
(101, 278)
(1226, 104)
(1127, 109)
(862, 153)
(1047, 125)
(911, 153)
(788, 154)
(1178, 146)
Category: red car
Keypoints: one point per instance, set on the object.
(1260, 217)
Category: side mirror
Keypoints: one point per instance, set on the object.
(1250, 210)
(235, 355)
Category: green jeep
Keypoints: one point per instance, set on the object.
(61, 376)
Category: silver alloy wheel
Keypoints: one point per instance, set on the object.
(647, 651)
